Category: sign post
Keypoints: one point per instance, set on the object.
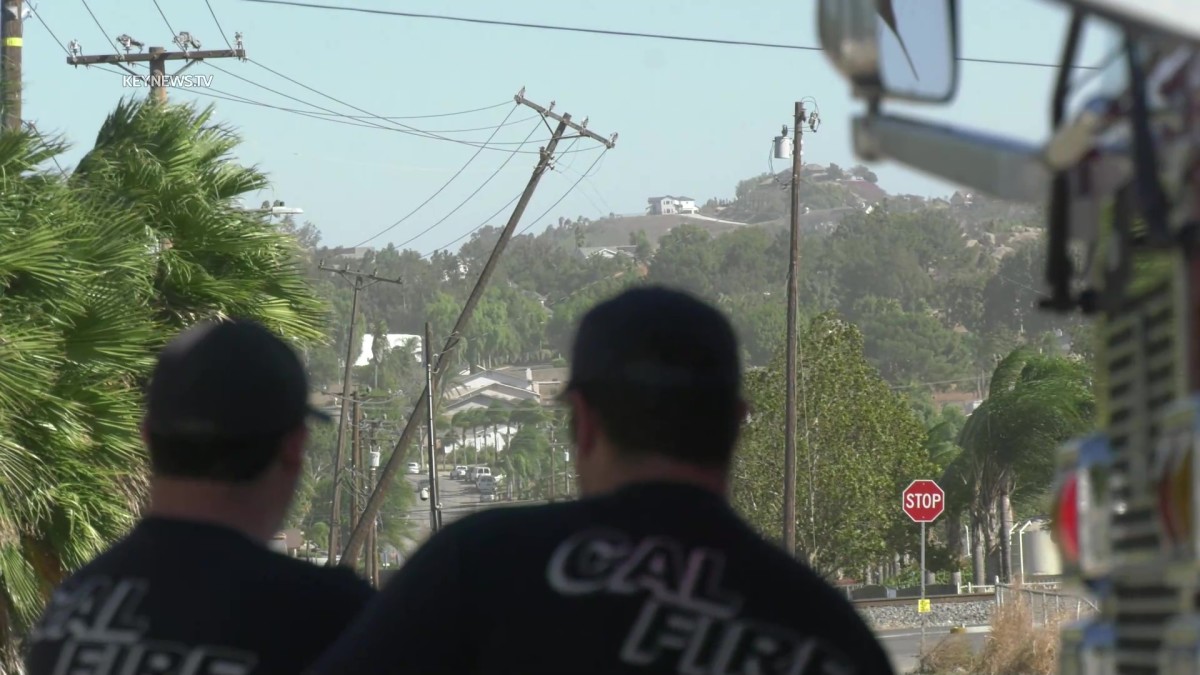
(923, 501)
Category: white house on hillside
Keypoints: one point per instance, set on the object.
(668, 205)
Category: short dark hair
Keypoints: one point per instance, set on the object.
(233, 459)
(660, 368)
(687, 425)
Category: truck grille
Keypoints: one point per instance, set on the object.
(1141, 376)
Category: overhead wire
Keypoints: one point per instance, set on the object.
(217, 21)
(621, 33)
(392, 126)
(397, 126)
(403, 128)
(487, 221)
(571, 189)
(463, 202)
(38, 15)
(164, 18)
(107, 37)
(441, 189)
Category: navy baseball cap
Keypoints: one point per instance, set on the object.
(655, 338)
(228, 379)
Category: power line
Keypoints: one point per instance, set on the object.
(218, 22)
(464, 201)
(106, 34)
(38, 15)
(403, 127)
(405, 130)
(444, 185)
(571, 189)
(165, 20)
(621, 33)
(486, 221)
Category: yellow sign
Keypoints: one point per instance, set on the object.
(13, 42)
(923, 606)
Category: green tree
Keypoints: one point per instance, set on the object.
(97, 270)
(859, 444)
(1035, 402)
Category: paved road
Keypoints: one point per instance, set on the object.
(904, 644)
(458, 498)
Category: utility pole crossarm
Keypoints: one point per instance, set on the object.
(96, 59)
(546, 112)
(368, 276)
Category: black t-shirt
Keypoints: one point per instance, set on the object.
(189, 598)
(654, 578)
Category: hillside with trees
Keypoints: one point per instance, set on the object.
(927, 297)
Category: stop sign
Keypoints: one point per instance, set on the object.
(923, 501)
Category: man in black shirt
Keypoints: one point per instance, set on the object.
(652, 571)
(193, 589)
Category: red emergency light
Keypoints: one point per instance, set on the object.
(1083, 507)
(1068, 517)
(1174, 480)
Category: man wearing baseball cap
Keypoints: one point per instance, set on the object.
(193, 588)
(652, 571)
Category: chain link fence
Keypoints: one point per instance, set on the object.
(1048, 604)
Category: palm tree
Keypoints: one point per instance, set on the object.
(1035, 403)
(494, 416)
(96, 271)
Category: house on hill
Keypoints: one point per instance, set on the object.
(868, 193)
(607, 252)
(669, 206)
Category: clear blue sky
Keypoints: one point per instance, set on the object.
(693, 118)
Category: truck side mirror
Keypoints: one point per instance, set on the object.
(901, 49)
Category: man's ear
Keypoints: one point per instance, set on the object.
(583, 424)
(291, 455)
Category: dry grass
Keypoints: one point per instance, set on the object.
(953, 654)
(1014, 646)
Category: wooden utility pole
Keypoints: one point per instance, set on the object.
(156, 57)
(390, 470)
(361, 281)
(373, 533)
(435, 503)
(10, 62)
(793, 338)
(356, 459)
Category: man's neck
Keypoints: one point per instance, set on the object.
(667, 471)
(210, 502)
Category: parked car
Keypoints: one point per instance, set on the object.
(459, 473)
(414, 468)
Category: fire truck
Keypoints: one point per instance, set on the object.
(1120, 177)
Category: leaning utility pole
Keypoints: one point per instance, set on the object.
(157, 57)
(793, 325)
(360, 281)
(443, 361)
(435, 503)
(10, 62)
